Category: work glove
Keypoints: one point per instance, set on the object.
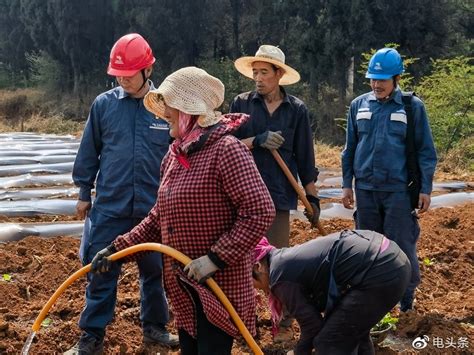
(101, 262)
(269, 140)
(201, 269)
(314, 218)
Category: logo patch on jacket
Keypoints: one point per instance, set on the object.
(160, 126)
(363, 114)
(399, 116)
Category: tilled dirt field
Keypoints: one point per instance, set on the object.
(444, 302)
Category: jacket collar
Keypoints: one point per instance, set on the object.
(256, 96)
(395, 96)
(122, 94)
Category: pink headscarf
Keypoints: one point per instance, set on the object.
(188, 131)
(261, 250)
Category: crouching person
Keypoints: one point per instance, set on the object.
(337, 287)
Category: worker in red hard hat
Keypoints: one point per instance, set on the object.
(120, 156)
(130, 56)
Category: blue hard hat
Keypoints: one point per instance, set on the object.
(385, 64)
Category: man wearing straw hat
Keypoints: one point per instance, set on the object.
(277, 121)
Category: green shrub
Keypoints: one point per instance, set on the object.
(448, 93)
(235, 83)
(45, 71)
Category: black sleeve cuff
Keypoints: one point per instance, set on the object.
(216, 260)
(313, 199)
(112, 248)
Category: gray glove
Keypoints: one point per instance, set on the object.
(201, 269)
(314, 218)
(101, 262)
(269, 140)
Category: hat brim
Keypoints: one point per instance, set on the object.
(378, 76)
(118, 72)
(154, 102)
(244, 67)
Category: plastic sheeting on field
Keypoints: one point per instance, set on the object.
(437, 186)
(330, 181)
(39, 159)
(35, 153)
(330, 193)
(328, 211)
(39, 146)
(10, 232)
(35, 180)
(11, 170)
(449, 185)
(33, 136)
(30, 194)
(335, 210)
(38, 207)
(452, 199)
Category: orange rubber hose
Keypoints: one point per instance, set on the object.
(165, 250)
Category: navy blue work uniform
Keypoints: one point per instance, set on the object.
(375, 158)
(122, 147)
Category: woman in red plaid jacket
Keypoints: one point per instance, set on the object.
(212, 205)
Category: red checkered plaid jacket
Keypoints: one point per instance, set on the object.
(220, 204)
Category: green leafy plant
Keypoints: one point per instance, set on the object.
(448, 93)
(386, 322)
(46, 323)
(427, 261)
(6, 277)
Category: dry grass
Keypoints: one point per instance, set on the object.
(32, 94)
(20, 110)
(458, 163)
(19, 103)
(25, 110)
(328, 156)
(56, 124)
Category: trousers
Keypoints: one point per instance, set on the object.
(101, 291)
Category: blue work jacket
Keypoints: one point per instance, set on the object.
(122, 146)
(292, 119)
(376, 140)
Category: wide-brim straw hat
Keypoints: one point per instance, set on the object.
(272, 55)
(190, 90)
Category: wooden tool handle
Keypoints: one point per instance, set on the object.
(301, 193)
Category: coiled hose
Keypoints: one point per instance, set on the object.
(170, 252)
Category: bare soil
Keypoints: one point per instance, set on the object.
(444, 302)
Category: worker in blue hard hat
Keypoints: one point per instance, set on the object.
(390, 158)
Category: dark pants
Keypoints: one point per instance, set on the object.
(210, 339)
(346, 331)
(101, 291)
(279, 236)
(279, 232)
(389, 213)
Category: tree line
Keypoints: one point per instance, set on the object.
(64, 45)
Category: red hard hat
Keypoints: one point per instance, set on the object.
(130, 54)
